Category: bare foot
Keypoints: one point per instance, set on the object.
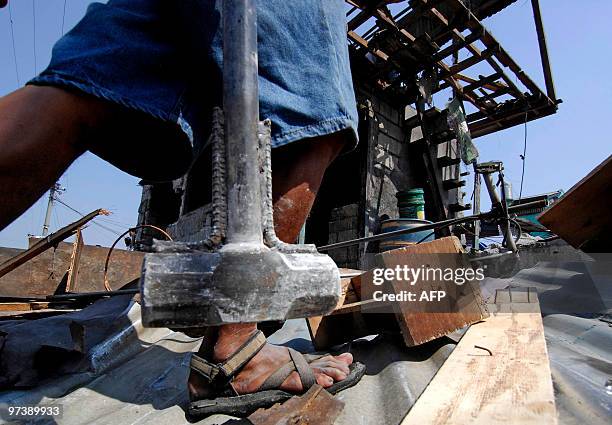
(328, 369)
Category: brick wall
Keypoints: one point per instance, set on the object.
(343, 226)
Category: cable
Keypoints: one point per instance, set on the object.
(82, 215)
(64, 16)
(13, 40)
(389, 235)
(426, 237)
(518, 226)
(523, 158)
(34, 37)
(110, 251)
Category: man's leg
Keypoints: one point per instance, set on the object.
(44, 129)
(41, 133)
(298, 170)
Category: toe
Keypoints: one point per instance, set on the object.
(324, 380)
(345, 358)
(332, 372)
(340, 365)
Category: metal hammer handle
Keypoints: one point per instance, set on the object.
(241, 110)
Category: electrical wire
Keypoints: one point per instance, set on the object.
(59, 201)
(64, 16)
(426, 237)
(34, 34)
(523, 158)
(13, 40)
(110, 251)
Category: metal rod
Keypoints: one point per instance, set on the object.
(533, 204)
(548, 78)
(241, 112)
(452, 221)
(476, 210)
(382, 236)
(495, 201)
(96, 294)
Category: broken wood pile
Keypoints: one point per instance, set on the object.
(430, 36)
(53, 277)
(360, 314)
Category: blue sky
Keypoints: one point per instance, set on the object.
(561, 149)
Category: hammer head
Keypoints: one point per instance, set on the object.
(238, 284)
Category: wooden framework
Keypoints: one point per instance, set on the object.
(389, 50)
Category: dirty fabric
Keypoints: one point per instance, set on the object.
(456, 121)
(35, 350)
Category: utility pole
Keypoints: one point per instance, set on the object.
(56, 188)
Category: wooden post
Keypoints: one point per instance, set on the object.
(75, 259)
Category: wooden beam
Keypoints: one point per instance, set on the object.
(47, 242)
(475, 51)
(582, 215)
(364, 43)
(489, 82)
(455, 47)
(417, 322)
(24, 306)
(492, 44)
(315, 407)
(499, 373)
(75, 261)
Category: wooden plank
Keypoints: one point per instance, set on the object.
(499, 373)
(324, 331)
(315, 407)
(582, 215)
(75, 261)
(24, 306)
(47, 242)
(417, 321)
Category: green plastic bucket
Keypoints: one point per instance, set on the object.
(411, 203)
(407, 239)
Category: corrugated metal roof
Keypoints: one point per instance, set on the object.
(138, 376)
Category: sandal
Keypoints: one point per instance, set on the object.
(229, 402)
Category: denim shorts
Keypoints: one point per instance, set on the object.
(164, 58)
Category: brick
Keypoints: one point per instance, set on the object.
(340, 225)
(350, 210)
(390, 145)
(346, 235)
(388, 112)
(353, 253)
(339, 255)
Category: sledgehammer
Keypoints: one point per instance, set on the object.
(243, 272)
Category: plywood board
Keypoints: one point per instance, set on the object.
(499, 373)
(583, 213)
(464, 302)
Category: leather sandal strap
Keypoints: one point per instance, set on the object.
(234, 363)
(274, 381)
(298, 362)
(307, 376)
